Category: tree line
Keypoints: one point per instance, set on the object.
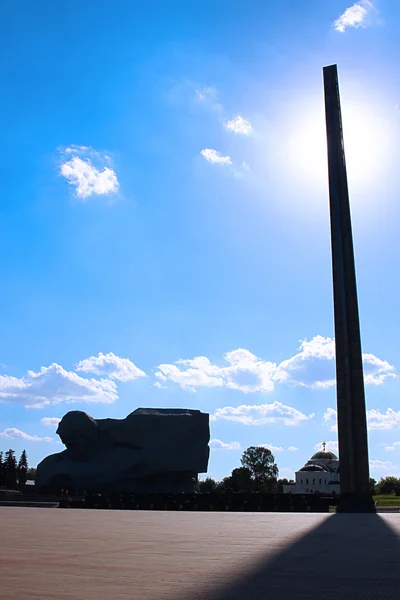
(14, 473)
(259, 473)
(387, 485)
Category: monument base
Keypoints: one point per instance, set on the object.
(355, 503)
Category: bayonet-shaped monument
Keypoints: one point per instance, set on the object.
(355, 495)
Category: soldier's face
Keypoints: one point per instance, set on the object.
(79, 441)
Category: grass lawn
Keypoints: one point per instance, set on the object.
(381, 500)
(387, 500)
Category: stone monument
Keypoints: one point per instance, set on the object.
(152, 450)
(355, 494)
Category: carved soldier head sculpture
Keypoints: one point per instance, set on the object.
(78, 432)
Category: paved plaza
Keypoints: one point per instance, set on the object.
(54, 554)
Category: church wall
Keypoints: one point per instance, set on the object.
(309, 482)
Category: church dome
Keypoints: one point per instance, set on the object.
(324, 455)
(312, 467)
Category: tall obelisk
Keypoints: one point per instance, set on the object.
(355, 493)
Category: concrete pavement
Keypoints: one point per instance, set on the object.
(121, 555)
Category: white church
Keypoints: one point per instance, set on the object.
(320, 474)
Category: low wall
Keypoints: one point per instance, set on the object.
(235, 502)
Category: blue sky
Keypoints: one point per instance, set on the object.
(165, 226)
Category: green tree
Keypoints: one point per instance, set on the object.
(280, 484)
(261, 463)
(31, 474)
(22, 469)
(10, 470)
(240, 480)
(389, 485)
(225, 484)
(208, 485)
(372, 485)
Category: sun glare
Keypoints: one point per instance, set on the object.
(367, 141)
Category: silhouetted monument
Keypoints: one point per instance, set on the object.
(352, 423)
(150, 451)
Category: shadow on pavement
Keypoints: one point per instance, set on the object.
(348, 556)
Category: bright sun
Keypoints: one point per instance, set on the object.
(368, 146)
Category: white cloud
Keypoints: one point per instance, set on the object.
(158, 385)
(272, 447)
(383, 465)
(375, 418)
(216, 157)
(314, 366)
(330, 417)
(205, 93)
(379, 420)
(331, 446)
(357, 15)
(87, 152)
(376, 371)
(244, 372)
(87, 179)
(261, 414)
(112, 366)
(50, 421)
(75, 149)
(292, 449)
(310, 366)
(239, 125)
(195, 95)
(52, 385)
(393, 447)
(198, 372)
(16, 434)
(81, 172)
(218, 445)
